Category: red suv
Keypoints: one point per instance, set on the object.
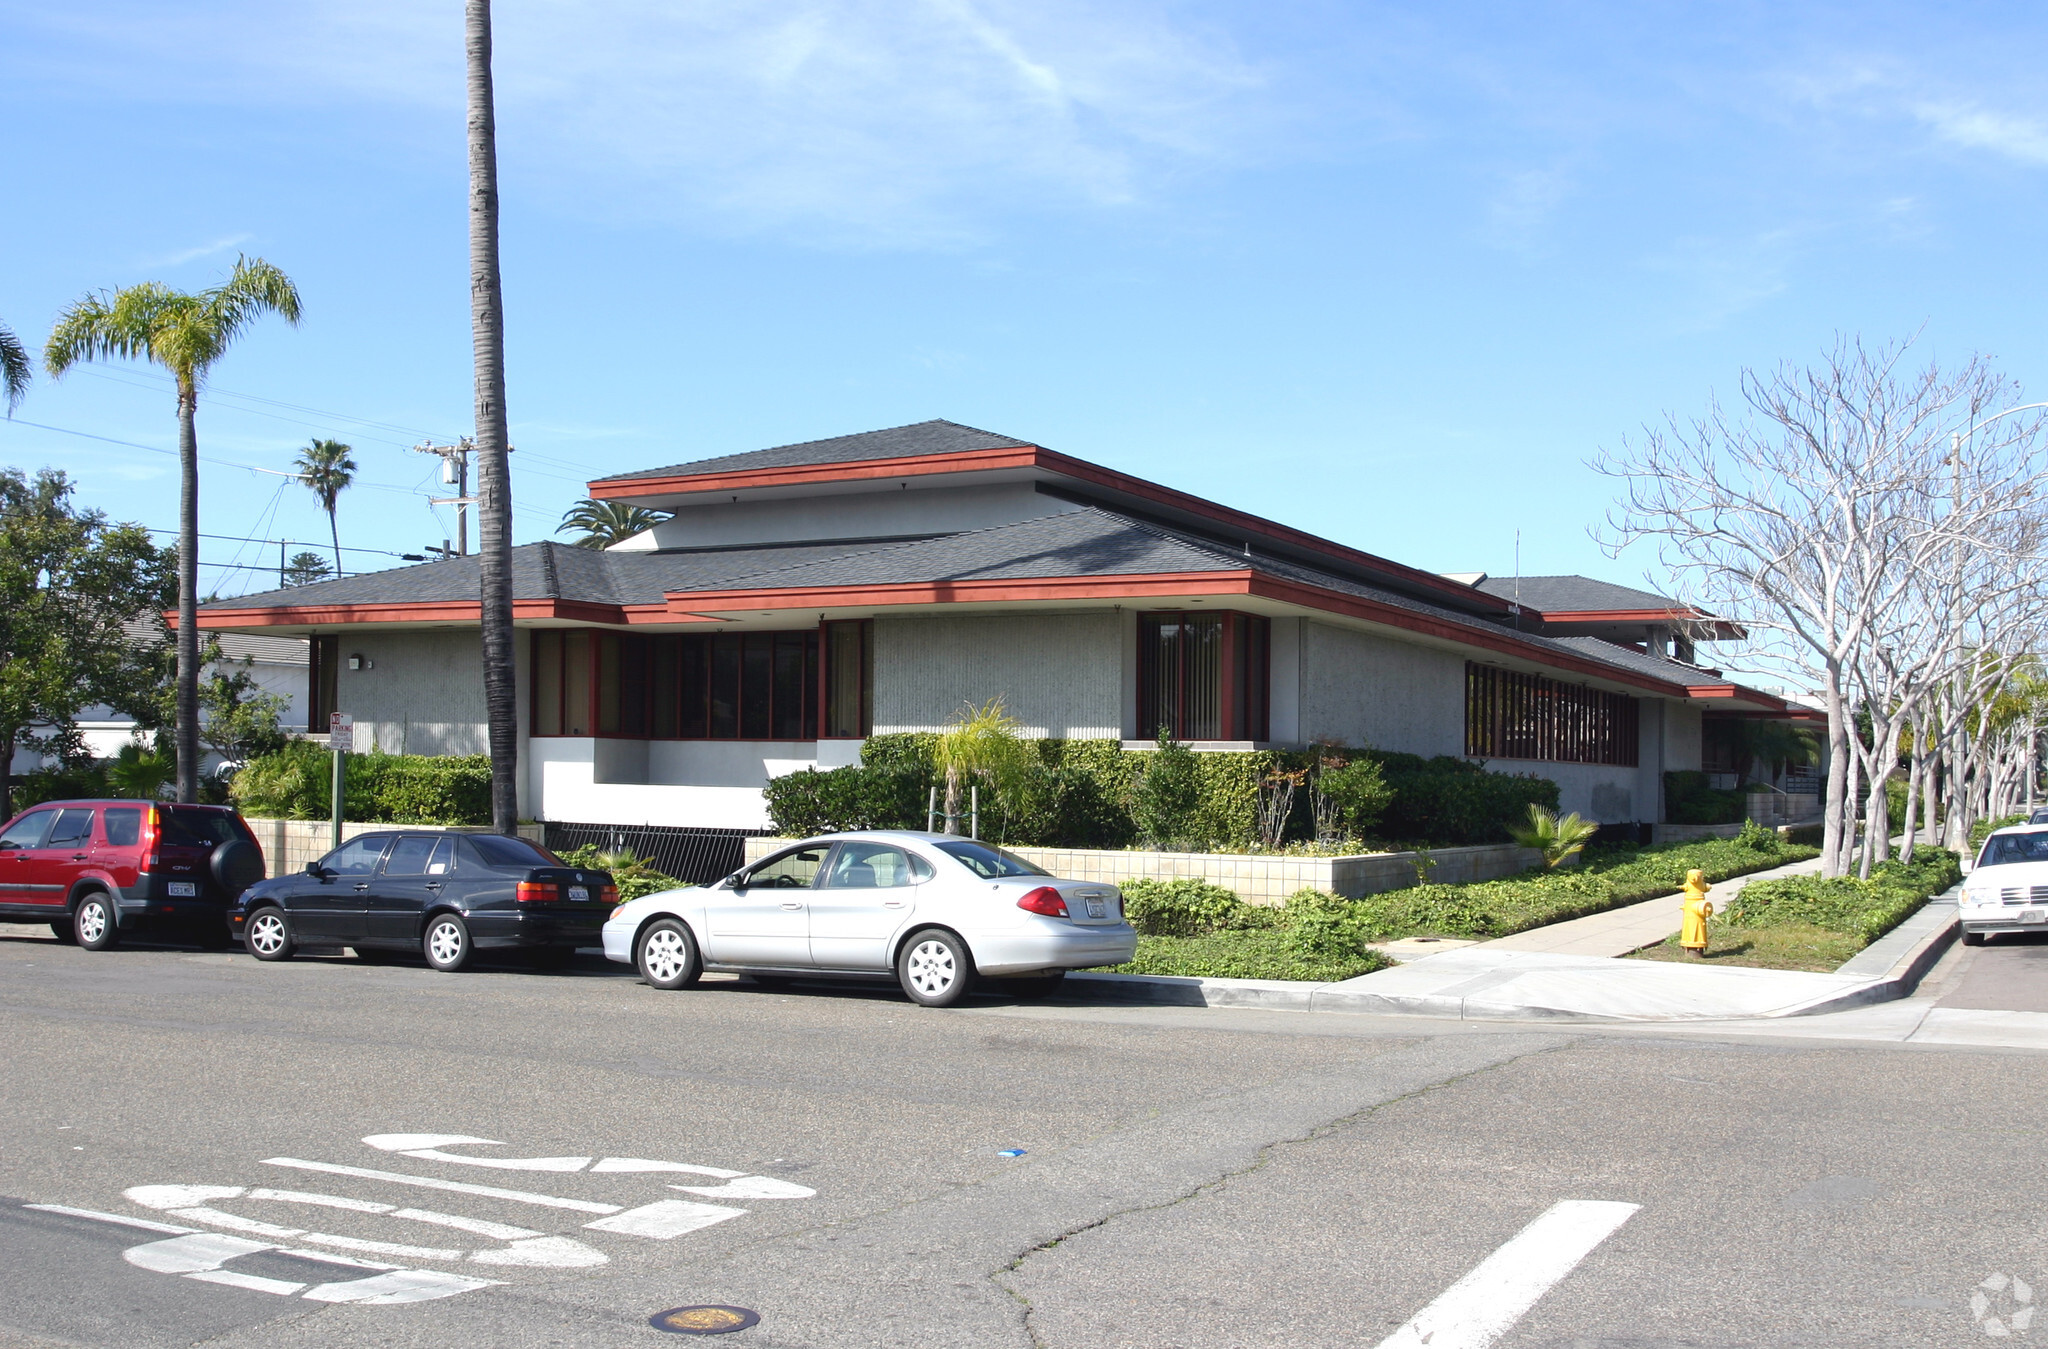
(95, 870)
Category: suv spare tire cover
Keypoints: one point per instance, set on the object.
(236, 865)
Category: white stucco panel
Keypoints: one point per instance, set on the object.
(1059, 674)
(1359, 688)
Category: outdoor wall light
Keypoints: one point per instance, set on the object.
(360, 662)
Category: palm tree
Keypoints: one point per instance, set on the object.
(494, 478)
(605, 523)
(185, 334)
(1557, 839)
(14, 367)
(325, 467)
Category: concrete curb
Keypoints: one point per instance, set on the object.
(1914, 947)
(1897, 962)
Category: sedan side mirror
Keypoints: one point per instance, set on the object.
(317, 872)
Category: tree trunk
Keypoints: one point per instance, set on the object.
(494, 487)
(1839, 808)
(7, 776)
(334, 533)
(952, 800)
(187, 733)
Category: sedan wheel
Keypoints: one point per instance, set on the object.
(447, 942)
(934, 968)
(269, 935)
(667, 957)
(93, 924)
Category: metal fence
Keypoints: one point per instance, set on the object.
(694, 855)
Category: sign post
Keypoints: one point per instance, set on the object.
(341, 739)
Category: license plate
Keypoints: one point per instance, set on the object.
(1097, 909)
(2033, 915)
(579, 892)
(184, 889)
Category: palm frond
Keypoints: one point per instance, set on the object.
(15, 368)
(253, 289)
(605, 523)
(327, 468)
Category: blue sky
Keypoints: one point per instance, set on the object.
(1389, 273)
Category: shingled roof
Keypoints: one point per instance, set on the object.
(1575, 594)
(897, 442)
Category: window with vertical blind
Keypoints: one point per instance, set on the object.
(323, 670)
(1204, 676)
(710, 686)
(1512, 715)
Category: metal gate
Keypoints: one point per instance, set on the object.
(693, 855)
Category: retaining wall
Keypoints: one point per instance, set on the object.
(1261, 879)
(289, 844)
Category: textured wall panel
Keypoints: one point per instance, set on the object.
(1059, 674)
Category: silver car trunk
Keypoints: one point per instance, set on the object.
(1089, 903)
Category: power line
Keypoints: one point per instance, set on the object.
(289, 543)
(206, 459)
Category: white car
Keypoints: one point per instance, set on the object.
(2007, 890)
(934, 910)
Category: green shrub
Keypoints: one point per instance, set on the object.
(1982, 829)
(296, 784)
(1190, 907)
(1167, 803)
(61, 783)
(1806, 835)
(1845, 904)
(1269, 954)
(632, 875)
(1324, 927)
(1689, 800)
(1360, 791)
(1759, 837)
(1447, 802)
(809, 802)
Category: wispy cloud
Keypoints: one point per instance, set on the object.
(1977, 128)
(872, 121)
(183, 256)
(1718, 278)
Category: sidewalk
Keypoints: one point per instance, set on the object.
(1493, 982)
(1632, 927)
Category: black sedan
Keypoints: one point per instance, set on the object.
(447, 896)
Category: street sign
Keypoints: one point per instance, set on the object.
(341, 733)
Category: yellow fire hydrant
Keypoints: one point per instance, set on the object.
(1692, 933)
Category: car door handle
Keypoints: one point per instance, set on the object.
(78, 857)
(362, 885)
(791, 904)
(892, 903)
(434, 885)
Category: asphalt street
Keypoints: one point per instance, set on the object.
(329, 1152)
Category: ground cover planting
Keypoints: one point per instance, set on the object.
(1193, 928)
(1811, 923)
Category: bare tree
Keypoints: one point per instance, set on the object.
(1832, 519)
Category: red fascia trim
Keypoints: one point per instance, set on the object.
(423, 611)
(1244, 582)
(694, 603)
(1033, 456)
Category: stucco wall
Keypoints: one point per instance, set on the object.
(1059, 674)
(423, 695)
(1594, 791)
(850, 515)
(1681, 739)
(1359, 688)
(703, 784)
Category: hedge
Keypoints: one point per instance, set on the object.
(1857, 908)
(295, 784)
(1688, 799)
(1082, 794)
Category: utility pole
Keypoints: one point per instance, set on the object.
(454, 472)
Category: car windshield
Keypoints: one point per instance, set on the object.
(500, 851)
(2002, 849)
(986, 860)
(197, 828)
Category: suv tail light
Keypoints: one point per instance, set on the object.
(537, 892)
(1045, 900)
(152, 834)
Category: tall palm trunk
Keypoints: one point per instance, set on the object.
(334, 533)
(494, 488)
(188, 590)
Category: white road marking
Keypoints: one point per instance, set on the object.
(632, 1165)
(235, 1222)
(404, 1285)
(191, 1255)
(543, 1253)
(401, 1142)
(430, 1183)
(178, 1196)
(142, 1223)
(324, 1200)
(1479, 1308)
(501, 1231)
(255, 1283)
(427, 1147)
(384, 1247)
(666, 1218)
(749, 1187)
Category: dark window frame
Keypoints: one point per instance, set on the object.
(719, 686)
(1242, 646)
(1511, 714)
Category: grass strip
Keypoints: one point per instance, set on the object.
(1268, 954)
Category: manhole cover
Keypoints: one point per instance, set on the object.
(711, 1320)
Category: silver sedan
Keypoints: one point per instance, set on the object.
(934, 910)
